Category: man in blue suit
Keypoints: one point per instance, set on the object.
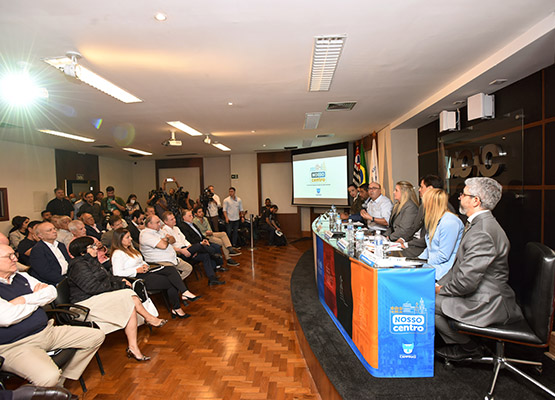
(49, 258)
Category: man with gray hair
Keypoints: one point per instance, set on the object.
(476, 289)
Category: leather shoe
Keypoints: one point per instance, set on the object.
(215, 281)
(232, 262)
(222, 269)
(456, 352)
(38, 392)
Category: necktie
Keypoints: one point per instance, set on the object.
(466, 226)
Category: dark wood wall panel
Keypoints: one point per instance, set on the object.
(532, 156)
(549, 91)
(526, 209)
(550, 153)
(70, 163)
(181, 163)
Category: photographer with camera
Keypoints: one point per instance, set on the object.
(211, 203)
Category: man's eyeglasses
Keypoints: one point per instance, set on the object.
(462, 194)
(373, 188)
(11, 255)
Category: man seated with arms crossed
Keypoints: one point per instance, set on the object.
(476, 289)
(27, 334)
(49, 258)
(219, 238)
(91, 227)
(377, 208)
(191, 252)
(193, 236)
(156, 247)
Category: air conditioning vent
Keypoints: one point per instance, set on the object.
(136, 155)
(103, 146)
(325, 135)
(181, 154)
(340, 106)
(290, 147)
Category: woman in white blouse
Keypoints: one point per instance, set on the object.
(128, 262)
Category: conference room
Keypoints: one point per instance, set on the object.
(167, 101)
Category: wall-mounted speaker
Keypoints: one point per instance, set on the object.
(481, 106)
(447, 121)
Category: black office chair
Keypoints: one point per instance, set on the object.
(64, 315)
(537, 304)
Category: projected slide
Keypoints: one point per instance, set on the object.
(320, 178)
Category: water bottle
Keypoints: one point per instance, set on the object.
(332, 218)
(350, 236)
(378, 244)
(359, 237)
(338, 223)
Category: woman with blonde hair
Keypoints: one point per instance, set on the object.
(404, 211)
(444, 232)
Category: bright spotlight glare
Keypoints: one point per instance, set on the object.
(19, 89)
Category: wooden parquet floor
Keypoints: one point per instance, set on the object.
(239, 343)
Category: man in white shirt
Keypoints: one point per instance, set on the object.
(212, 210)
(156, 247)
(233, 213)
(191, 252)
(377, 208)
(27, 334)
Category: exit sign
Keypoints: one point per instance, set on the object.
(234, 176)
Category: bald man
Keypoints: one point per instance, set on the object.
(49, 258)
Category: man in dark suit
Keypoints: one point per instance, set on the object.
(90, 226)
(135, 225)
(49, 258)
(476, 289)
(194, 236)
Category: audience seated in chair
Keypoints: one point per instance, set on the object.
(136, 225)
(91, 227)
(112, 303)
(197, 252)
(49, 258)
(61, 223)
(18, 231)
(128, 262)
(219, 238)
(25, 246)
(156, 247)
(27, 333)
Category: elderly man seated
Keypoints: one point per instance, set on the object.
(49, 258)
(61, 223)
(91, 227)
(27, 334)
(156, 247)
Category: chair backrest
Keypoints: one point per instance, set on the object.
(63, 292)
(537, 292)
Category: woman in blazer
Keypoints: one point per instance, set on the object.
(112, 304)
(404, 211)
(444, 232)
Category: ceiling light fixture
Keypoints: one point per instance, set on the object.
(230, 103)
(19, 89)
(325, 56)
(220, 146)
(311, 120)
(67, 135)
(160, 16)
(132, 150)
(185, 128)
(207, 139)
(69, 66)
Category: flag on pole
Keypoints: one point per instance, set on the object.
(374, 174)
(360, 174)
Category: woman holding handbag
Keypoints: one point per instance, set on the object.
(112, 305)
(128, 262)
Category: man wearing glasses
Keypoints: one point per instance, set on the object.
(376, 209)
(475, 290)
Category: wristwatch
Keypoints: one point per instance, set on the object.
(372, 219)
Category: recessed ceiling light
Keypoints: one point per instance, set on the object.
(132, 150)
(458, 102)
(230, 103)
(263, 145)
(220, 146)
(253, 131)
(160, 16)
(67, 135)
(185, 128)
(311, 120)
(325, 56)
